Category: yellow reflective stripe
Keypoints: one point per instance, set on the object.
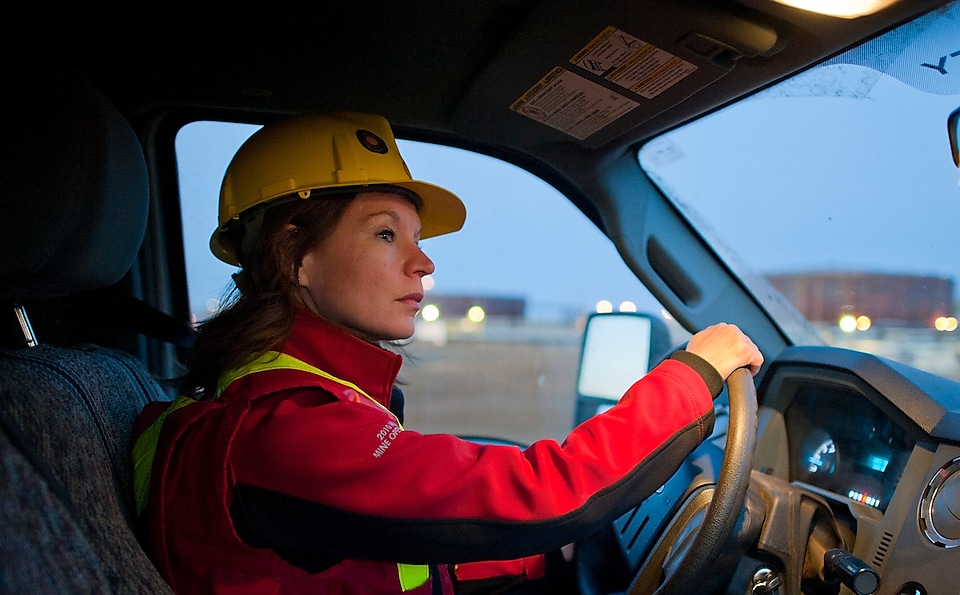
(412, 576)
(274, 360)
(145, 449)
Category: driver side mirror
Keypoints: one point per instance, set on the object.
(618, 348)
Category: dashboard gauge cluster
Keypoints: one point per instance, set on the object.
(843, 443)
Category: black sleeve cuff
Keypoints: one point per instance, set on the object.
(703, 367)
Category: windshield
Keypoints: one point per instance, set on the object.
(834, 195)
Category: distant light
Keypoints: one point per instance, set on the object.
(430, 312)
(428, 282)
(847, 9)
(863, 323)
(604, 307)
(945, 324)
(476, 314)
(848, 323)
(628, 307)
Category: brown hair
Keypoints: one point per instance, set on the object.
(258, 314)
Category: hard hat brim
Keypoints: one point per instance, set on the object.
(441, 212)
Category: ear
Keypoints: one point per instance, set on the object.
(296, 275)
(301, 272)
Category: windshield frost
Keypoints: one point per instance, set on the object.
(838, 189)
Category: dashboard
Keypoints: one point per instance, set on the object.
(877, 442)
(880, 441)
(851, 421)
(843, 443)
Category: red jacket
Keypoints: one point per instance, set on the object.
(298, 478)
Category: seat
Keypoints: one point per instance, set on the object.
(72, 218)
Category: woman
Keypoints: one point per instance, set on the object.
(285, 467)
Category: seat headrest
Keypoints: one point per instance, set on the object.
(74, 189)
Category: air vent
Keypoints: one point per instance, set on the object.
(885, 540)
(632, 527)
(636, 534)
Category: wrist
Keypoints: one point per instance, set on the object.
(705, 369)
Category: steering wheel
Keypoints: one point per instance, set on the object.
(686, 561)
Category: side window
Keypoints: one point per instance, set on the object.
(498, 338)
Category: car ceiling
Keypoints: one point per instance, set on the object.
(448, 70)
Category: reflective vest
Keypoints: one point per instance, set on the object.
(410, 576)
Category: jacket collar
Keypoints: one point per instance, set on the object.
(343, 355)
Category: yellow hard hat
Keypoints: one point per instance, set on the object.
(307, 155)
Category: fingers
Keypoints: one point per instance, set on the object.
(726, 348)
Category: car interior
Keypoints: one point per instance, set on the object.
(97, 314)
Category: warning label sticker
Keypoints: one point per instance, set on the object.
(632, 63)
(572, 103)
(579, 106)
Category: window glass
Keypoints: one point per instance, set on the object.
(837, 191)
(498, 337)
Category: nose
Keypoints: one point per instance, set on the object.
(421, 263)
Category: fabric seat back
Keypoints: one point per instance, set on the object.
(72, 218)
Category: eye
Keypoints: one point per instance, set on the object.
(387, 234)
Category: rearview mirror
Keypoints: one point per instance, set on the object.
(953, 129)
(618, 349)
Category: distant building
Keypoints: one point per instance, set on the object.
(888, 300)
